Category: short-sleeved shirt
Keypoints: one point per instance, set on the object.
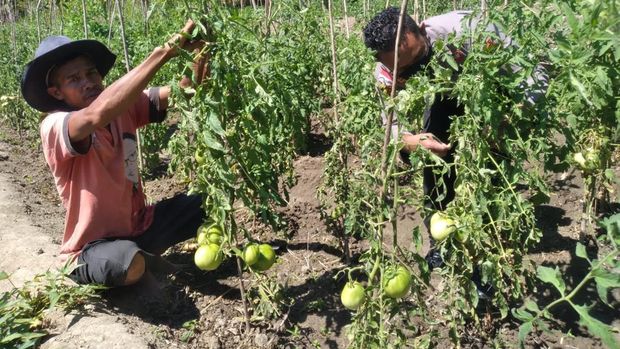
(101, 189)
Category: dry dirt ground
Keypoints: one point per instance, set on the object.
(194, 309)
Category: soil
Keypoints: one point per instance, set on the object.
(195, 309)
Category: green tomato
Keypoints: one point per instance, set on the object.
(251, 254)
(461, 236)
(266, 258)
(441, 226)
(352, 295)
(211, 228)
(398, 286)
(215, 238)
(202, 238)
(208, 257)
(200, 157)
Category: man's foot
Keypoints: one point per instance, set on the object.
(433, 258)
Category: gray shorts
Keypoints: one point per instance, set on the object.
(106, 261)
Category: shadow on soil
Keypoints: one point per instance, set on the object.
(163, 300)
(317, 145)
(549, 219)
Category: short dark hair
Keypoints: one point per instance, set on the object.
(380, 32)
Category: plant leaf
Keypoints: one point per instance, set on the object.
(524, 330)
(551, 276)
(596, 327)
(580, 251)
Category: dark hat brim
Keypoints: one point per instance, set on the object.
(33, 84)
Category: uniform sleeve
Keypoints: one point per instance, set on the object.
(147, 108)
(55, 138)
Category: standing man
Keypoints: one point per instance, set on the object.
(89, 142)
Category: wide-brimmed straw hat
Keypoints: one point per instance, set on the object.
(53, 51)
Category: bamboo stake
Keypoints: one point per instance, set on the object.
(11, 13)
(346, 18)
(267, 15)
(390, 117)
(246, 312)
(123, 37)
(84, 19)
(111, 21)
(61, 17)
(145, 13)
(334, 62)
(342, 157)
(416, 11)
(128, 68)
(50, 24)
(38, 21)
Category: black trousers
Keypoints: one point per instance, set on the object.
(438, 193)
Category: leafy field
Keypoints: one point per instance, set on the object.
(284, 141)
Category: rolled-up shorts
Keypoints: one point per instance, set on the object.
(106, 261)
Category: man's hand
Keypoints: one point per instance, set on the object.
(428, 141)
(181, 40)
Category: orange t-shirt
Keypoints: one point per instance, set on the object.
(101, 189)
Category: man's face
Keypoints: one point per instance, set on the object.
(76, 82)
(411, 49)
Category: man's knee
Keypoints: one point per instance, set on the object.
(136, 269)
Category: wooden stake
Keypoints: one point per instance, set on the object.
(128, 68)
(111, 21)
(243, 298)
(38, 21)
(84, 19)
(390, 116)
(346, 18)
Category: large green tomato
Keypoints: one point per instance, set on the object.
(398, 286)
(208, 257)
(441, 226)
(352, 295)
(266, 258)
(251, 254)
